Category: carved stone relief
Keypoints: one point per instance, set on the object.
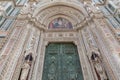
(61, 35)
(91, 47)
(57, 10)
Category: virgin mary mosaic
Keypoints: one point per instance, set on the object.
(60, 23)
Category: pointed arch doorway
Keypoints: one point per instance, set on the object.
(62, 62)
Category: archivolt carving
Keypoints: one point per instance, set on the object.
(47, 15)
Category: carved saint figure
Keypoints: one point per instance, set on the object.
(26, 67)
(98, 66)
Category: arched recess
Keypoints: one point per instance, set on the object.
(51, 18)
(78, 6)
(48, 11)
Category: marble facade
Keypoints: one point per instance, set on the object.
(90, 33)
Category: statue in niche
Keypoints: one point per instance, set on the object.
(52, 69)
(97, 64)
(26, 67)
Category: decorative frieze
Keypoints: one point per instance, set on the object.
(61, 35)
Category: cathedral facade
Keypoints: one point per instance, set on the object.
(60, 40)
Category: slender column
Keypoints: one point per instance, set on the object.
(42, 56)
(37, 69)
(35, 44)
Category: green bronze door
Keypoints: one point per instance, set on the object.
(62, 62)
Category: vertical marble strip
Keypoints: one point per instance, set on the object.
(31, 44)
(20, 60)
(9, 46)
(16, 53)
(109, 37)
(37, 59)
(85, 35)
(84, 61)
(113, 46)
(27, 48)
(88, 48)
(35, 47)
(96, 46)
(41, 63)
(106, 52)
(28, 43)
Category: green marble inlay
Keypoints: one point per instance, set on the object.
(62, 62)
